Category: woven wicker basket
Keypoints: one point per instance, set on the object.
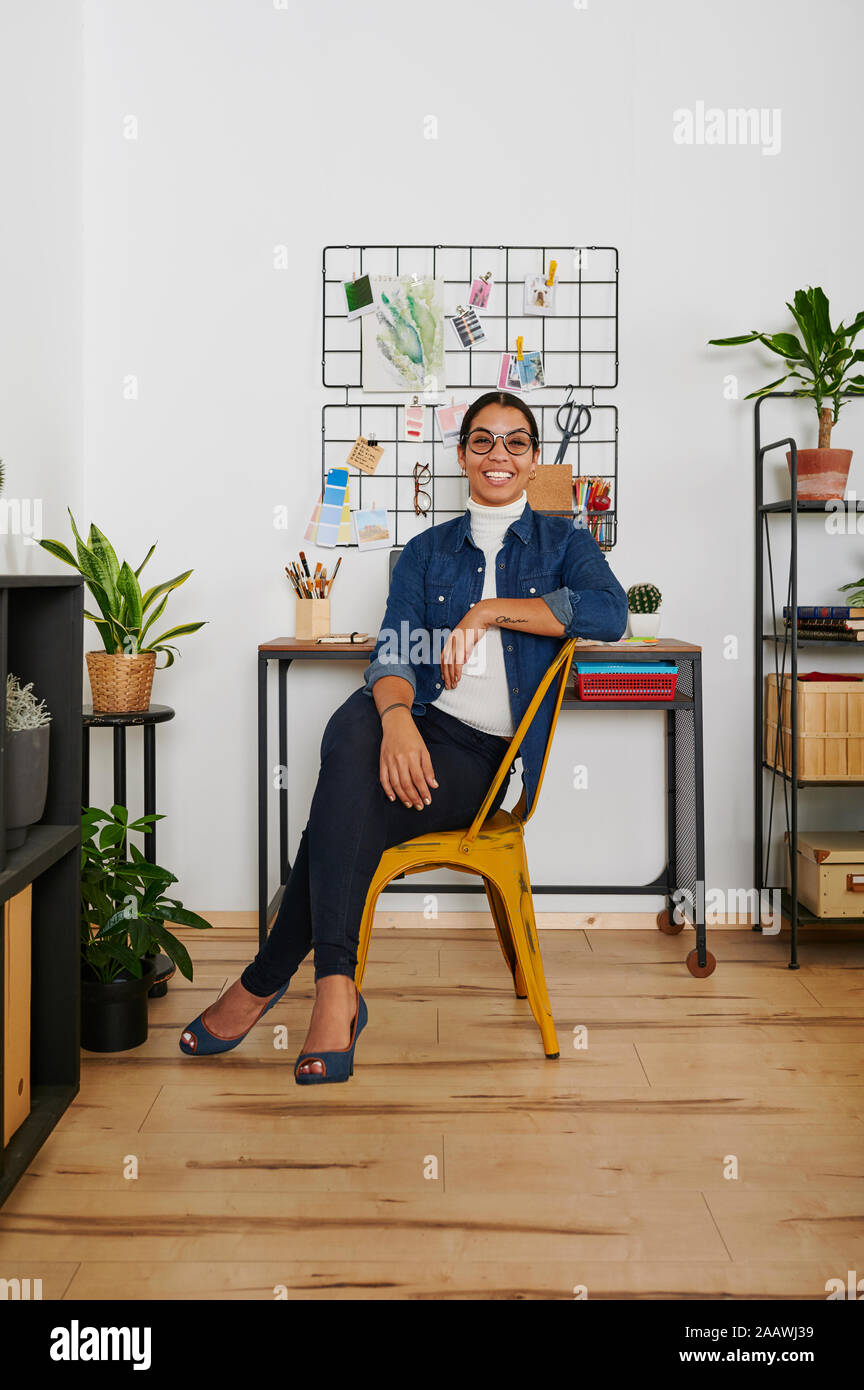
(120, 684)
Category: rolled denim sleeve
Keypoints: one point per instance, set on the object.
(403, 616)
(591, 603)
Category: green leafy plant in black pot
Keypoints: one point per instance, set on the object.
(124, 910)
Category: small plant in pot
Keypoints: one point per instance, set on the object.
(643, 601)
(823, 360)
(124, 910)
(27, 742)
(121, 676)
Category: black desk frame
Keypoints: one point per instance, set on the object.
(682, 874)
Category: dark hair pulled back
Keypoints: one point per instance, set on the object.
(496, 398)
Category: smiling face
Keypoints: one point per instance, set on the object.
(498, 477)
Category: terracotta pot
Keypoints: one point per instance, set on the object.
(822, 473)
(120, 684)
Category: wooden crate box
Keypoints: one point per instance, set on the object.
(830, 872)
(830, 728)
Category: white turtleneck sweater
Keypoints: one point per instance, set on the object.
(481, 697)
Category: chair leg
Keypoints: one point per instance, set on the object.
(505, 936)
(365, 938)
(515, 889)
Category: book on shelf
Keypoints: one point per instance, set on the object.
(828, 634)
(830, 610)
(832, 624)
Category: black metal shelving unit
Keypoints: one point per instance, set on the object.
(785, 642)
(41, 640)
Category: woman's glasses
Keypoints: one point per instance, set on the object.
(515, 441)
(422, 500)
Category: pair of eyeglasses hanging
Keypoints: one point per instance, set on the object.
(422, 499)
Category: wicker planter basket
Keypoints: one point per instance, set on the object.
(120, 684)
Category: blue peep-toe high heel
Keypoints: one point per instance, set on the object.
(339, 1064)
(197, 1040)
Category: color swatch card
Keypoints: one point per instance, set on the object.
(312, 529)
(328, 521)
(344, 536)
(413, 421)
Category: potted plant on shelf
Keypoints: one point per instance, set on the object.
(123, 914)
(121, 676)
(27, 733)
(855, 599)
(822, 360)
(643, 601)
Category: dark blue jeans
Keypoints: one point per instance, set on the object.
(351, 823)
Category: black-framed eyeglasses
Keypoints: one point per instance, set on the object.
(422, 500)
(515, 441)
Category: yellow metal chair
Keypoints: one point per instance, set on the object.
(494, 849)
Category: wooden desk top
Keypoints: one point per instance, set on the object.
(663, 644)
(620, 650)
(307, 646)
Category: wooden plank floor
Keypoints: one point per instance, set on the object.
(459, 1162)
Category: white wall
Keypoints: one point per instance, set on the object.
(301, 124)
(40, 274)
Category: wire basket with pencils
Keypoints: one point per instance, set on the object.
(593, 503)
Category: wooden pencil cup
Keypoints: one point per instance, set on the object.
(313, 618)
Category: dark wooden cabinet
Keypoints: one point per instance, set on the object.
(42, 640)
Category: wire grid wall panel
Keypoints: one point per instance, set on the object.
(593, 454)
(579, 342)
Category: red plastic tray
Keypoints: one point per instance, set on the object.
(626, 685)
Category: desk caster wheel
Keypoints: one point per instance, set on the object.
(700, 971)
(667, 925)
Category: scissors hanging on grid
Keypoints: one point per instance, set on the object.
(571, 428)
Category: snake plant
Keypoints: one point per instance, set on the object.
(127, 613)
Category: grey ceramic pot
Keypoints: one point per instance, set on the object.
(26, 781)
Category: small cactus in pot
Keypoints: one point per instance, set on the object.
(643, 601)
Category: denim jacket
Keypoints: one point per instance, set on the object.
(440, 574)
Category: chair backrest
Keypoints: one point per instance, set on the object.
(562, 662)
(394, 556)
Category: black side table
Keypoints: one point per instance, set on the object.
(148, 718)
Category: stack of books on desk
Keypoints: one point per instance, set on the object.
(829, 623)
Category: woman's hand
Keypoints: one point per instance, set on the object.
(461, 643)
(405, 767)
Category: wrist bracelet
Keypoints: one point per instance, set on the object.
(397, 705)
